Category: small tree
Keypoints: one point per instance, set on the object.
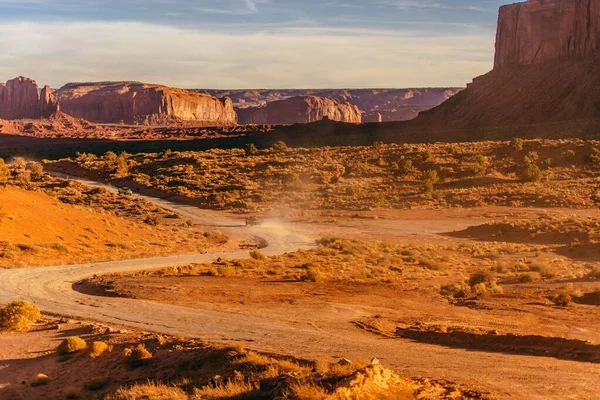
(430, 178)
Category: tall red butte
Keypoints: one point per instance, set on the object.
(543, 30)
(20, 98)
(547, 72)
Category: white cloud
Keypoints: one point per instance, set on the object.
(57, 53)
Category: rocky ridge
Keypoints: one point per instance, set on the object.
(300, 110)
(376, 105)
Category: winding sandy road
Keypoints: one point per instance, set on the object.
(329, 333)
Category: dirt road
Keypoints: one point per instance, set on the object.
(329, 333)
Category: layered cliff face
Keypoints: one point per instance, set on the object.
(543, 30)
(20, 98)
(377, 105)
(547, 73)
(299, 110)
(139, 103)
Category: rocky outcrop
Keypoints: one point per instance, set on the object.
(538, 31)
(377, 105)
(300, 110)
(140, 103)
(20, 98)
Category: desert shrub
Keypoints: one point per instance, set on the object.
(19, 315)
(529, 277)
(225, 271)
(430, 178)
(406, 168)
(4, 171)
(292, 181)
(562, 299)
(36, 170)
(153, 219)
(530, 169)
(40, 380)
(97, 349)
(517, 144)
(545, 271)
(312, 273)
(251, 149)
(456, 290)
(427, 156)
(148, 391)
(257, 255)
(481, 165)
(594, 157)
(482, 276)
(97, 383)
(479, 283)
(279, 147)
(138, 356)
(71, 345)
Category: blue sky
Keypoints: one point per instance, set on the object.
(249, 43)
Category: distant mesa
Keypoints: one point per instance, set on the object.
(20, 98)
(300, 110)
(141, 103)
(376, 105)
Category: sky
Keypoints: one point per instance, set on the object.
(239, 44)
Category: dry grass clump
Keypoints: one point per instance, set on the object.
(138, 356)
(232, 388)
(149, 391)
(97, 349)
(19, 315)
(71, 345)
(40, 380)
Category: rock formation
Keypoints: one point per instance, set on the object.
(300, 110)
(542, 30)
(547, 72)
(377, 105)
(139, 103)
(20, 98)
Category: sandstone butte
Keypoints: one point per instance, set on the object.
(140, 103)
(20, 98)
(547, 71)
(542, 30)
(300, 110)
